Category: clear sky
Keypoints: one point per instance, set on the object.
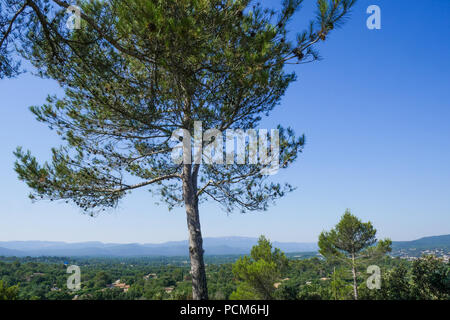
(376, 114)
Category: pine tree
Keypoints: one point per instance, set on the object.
(138, 70)
(259, 272)
(351, 242)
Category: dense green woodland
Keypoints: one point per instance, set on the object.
(308, 278)
(340, 271)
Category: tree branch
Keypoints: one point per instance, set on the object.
(8, 31)
(142, 184)
(112, 41)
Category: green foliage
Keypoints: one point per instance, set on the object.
(426, 278)
(137, 70)
(340, 288)
(307, 278)
(349, 237)
(351, 242)
(177, 62)
(431, 277)
(396, 284)
(8, 293)
(313, 291)
(353, 239)
(259, 272)
(102, 279)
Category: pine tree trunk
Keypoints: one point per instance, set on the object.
(355, 285)
(198, 272)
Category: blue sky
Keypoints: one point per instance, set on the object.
(375, 112)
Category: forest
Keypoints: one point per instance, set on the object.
(45, 278)
(341, 270)
(351, 264)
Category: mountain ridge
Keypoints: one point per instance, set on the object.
(213, 246)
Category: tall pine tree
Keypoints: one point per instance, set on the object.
(352, 242)
(138, 70)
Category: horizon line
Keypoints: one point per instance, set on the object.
(218, 237)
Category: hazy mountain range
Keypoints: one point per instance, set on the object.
(213, 246)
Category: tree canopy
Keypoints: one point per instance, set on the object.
(352, 241)
(8, 293)
(259, 272)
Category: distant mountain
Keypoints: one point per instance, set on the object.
(434, 242)
(5, 252)
(213, 246)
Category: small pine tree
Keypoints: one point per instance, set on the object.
(258, 273)
(351, 242)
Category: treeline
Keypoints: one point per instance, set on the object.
(320, 279)
(352, 264)
(305, 279)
